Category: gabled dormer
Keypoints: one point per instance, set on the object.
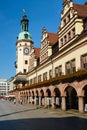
(47, 41)
(34, 58)
(71, 25)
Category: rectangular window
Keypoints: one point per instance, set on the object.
(65, 39)
(64, 21)
(68, 18)
(35, 80)
(26, 62)
(62, 42)
(39, 78)
(45, 76)
(69, 36)
(58, 71)
(25, 70)
(73, 66)
(30, 81)
(73, 32)
(50, 74)
(70, 67)
(84, 61)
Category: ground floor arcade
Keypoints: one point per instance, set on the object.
(65, 96)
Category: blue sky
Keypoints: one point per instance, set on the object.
(39, 12)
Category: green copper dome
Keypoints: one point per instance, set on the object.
(24, 34)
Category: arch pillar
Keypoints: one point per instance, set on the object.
(63, 105)
(40, 101)
(53, 102)
(81, 104)
(45, 100)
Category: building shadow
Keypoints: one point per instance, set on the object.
(65, 123)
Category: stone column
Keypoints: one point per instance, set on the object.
(45, 101)
(53, 102)
(63, 103)
(39, 101)
(81, 104)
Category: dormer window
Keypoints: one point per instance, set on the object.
(25, 44)
(26, 36)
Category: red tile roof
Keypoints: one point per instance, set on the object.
(37, 52)
(52, 38)
(81, 9)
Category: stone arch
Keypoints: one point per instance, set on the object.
(37, 93)
(48, 91)
(56, 92)
(57, 97)
(81, 91)
(29, 93)
(42, 93)
(42, 102)
(66, 86)
(85, 94)
(71, 98)
(49, 98)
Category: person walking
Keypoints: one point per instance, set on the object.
(14, 101)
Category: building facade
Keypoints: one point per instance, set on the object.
(55, 73)
(4, 88)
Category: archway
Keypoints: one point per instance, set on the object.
(42, 98)
(85, 95)
(71, 98)
(37, 94)
(48, 98)
(33, 97)
(37, 98)
(57, 98)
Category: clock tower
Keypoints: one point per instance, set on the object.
(23, 46)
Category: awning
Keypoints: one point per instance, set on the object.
(20, 80)
(10, 96)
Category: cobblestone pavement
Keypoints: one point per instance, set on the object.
(28, 117)
(59, 112)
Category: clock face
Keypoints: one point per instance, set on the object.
(26, 51)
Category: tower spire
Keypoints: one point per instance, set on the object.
(24, 21)
(24, 12)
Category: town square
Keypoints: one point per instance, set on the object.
(49, 87)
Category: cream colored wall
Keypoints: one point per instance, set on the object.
(21, 57)
(79, 26)
(75, 54)
(61, 59)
